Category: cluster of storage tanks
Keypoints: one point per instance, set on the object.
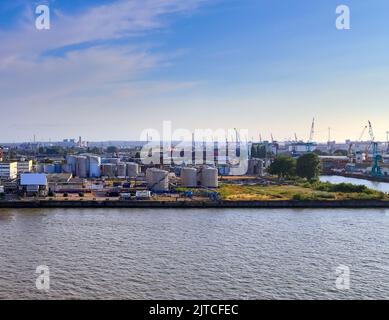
(90, 166)
(205, 177)
(158, 180)
(120, 170)
(87, 166)
(49, 168)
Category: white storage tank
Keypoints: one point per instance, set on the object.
(121, 170)
(72, 161)
(157, 180)
(132, 170)
(82, 167)
(189, 177)
(209, 177)
(109, 170)
(94, 167)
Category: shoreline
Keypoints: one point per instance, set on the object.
(314, 204)
(383, 179)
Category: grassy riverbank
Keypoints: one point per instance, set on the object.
(299, 191)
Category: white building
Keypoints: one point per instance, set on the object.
(8, 170)
(24, 166)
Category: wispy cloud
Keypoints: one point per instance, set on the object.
(80, 64)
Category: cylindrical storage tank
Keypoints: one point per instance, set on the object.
(58, 167)
(82, 167)
(189, 177)
(157, 180)
(108, 170)
(121, 170)
(94, 167)
(114, 160)
(67, 168)
(132, 170)
(209, 178)
(72, 161)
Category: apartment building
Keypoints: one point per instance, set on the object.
(24, 166)
(8, 170)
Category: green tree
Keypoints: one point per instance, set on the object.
(112, 149)
(340, 153)
(283, 166)
(308, 166)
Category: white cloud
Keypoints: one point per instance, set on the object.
(34, 83)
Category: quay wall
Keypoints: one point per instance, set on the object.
(352, 204)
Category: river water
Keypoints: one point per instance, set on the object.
(380, 186)
(194, 254)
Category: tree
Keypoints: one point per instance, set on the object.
(340, 153)
(283, 166)
(112, 149)
(308, 166)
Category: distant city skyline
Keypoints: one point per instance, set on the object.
(107, 70)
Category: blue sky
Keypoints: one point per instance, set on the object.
(109, 69)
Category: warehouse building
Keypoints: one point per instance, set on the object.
(33, 184)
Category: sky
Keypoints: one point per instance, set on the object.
(107, 70)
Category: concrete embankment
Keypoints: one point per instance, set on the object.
(196, 204)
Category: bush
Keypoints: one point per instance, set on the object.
(65, 195)
(324, 195)
(341, 187)
(301, 197)
(81, 194)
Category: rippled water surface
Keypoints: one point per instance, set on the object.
(194, 254)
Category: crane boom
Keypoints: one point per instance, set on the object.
(312, 133)
(362, 134)
(371, 132)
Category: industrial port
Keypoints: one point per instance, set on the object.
(74, 170)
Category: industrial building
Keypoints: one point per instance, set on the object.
(33, 184)
(24, 166)
(8, 170)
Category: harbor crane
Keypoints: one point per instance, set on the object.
(311, 136)
(358, 140)
(387, 141)
(377, 158)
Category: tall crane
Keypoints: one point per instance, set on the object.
(359, 139)
(237, 137)
(311, 136)
(362, 134)
(387, 141)
(377, 158)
